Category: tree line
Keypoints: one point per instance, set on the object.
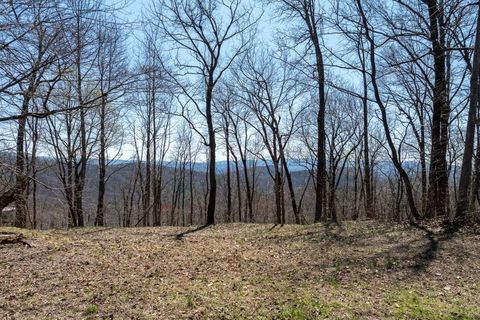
(316, 111)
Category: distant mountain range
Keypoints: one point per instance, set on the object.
(221, 166)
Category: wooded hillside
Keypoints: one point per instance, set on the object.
(377, 101)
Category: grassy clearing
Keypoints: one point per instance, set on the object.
(362, 270)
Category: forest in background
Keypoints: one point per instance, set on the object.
(377, 102)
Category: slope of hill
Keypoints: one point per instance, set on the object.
(361, 270)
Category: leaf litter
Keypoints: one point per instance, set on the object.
(359, 270)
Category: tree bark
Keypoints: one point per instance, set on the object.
(100, 219)
(438, 175)
(229, 184)
(212, 196)
(466, 173)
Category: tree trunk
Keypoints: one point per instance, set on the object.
(20, 175)
(366, 150)
(320, 190)
(438, 176)
(81, 168)
(466, 173)
(291, 190)
(239, 189)
(278, 190)
(229, 184)
(212, 196)
(190, 183)
(99, 219)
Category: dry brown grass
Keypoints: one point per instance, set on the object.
(362, 270)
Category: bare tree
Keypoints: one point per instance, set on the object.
(343, 139)
(112, 69)
(393, 150)
(272, 92)
(199, 38)
(308, 11)
(31, 42)
(242, 138)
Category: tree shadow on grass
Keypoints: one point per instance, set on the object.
(422, 259)
(273, 227)
(431, 248)
(331, 231)
(99, 230)
(179, 236)
(420, 252)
